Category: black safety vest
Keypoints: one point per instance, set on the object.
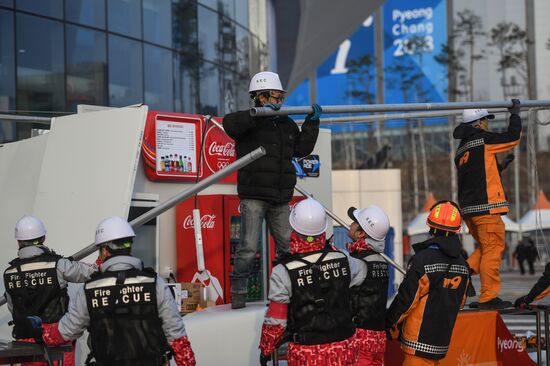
(368, 300)
(34, 289)
(125, 327)
(320, 307)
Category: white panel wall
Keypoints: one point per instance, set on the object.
(360, 188)
(74, 176)
(88, 173)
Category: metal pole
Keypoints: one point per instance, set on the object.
(28, 119)
(370, 108)
(168, 204)
(516, 188)
(341, 222)
(539, 337)
(397, 116)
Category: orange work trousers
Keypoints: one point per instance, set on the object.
(488, 231)
(412, 360)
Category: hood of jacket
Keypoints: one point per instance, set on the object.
(464, 130)
(450, 245)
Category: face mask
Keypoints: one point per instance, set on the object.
(377, 245)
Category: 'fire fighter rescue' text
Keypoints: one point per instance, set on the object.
(328, 271)
(127, 295)
(30, 279)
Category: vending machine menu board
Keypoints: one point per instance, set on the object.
(185, 147)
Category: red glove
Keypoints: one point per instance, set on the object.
(271, 336)
(183, 354)
(272, 333)
(51, 335)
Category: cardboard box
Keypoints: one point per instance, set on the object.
(207, 303)
(190, 296)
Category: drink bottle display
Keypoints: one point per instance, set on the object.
(184, 164)
(182, 168)
(162, 164)
(189, 165)
(166, 164)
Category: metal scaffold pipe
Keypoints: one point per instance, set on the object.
(182, 196)
(342, 222)
(396, 116)
(404, 107)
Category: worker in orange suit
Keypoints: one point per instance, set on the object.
(481, 194)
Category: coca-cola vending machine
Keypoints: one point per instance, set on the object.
(221, 227)
(221, 232)
(212, 225)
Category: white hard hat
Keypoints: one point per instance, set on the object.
(308, 218)
(471, 115)
(373, 221)
(113, 228)
(265, 80)
(29, 227)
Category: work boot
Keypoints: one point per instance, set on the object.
(495, 304)
(473, 305)
(238, 300)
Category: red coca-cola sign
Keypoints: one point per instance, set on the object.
(207, 222)
(219, 149)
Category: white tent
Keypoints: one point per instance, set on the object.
(418, 225)
(538, 217)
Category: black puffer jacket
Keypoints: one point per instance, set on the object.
(272, 177)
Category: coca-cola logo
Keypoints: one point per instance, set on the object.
(207, 222)
(227, 149)
(219, 149)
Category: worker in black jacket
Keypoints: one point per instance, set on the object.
(266, 186)
(539, 290)
(433, 290)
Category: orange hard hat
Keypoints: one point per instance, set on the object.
(445, 215)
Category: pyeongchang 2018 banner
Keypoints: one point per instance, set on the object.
(414, 34)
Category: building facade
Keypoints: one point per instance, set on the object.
(192, 56)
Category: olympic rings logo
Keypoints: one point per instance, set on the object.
(222, 164)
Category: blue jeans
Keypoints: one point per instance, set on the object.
(253, 213)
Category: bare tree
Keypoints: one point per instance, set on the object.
(451, 58)
(361, 76)
(405, 77)
(511, 44)
(468, 27)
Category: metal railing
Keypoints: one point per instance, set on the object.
(404, 107)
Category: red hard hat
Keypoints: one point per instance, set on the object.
(445, 215)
